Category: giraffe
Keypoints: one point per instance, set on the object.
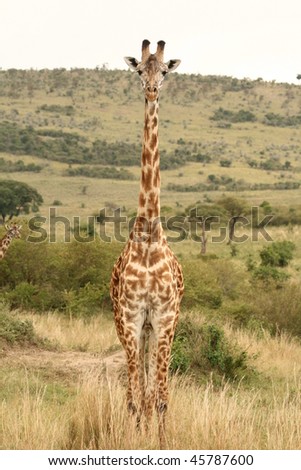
(147, 282)
(12, 232)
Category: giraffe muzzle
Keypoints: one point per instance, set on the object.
(151, 93)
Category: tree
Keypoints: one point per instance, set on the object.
(236, 209)
(17, 198)
(201, 217)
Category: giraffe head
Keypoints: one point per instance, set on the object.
(152, 69)
(13, 231)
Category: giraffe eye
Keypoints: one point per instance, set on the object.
(164, 73)
(139, 72)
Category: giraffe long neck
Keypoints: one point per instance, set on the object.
(149, 196)
(4, 245)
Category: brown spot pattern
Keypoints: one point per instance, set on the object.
(153, 141)
(146, 179)
(156, 177)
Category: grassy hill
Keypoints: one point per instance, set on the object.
(60, 119)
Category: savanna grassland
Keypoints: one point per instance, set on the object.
(227, 146)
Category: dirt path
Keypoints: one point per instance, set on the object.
(65, 363)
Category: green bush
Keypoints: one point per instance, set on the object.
(203, 349)
(221, 356)
(273, 119)
(45, 276)
(100, 172)
(22, 295)
(7, 166)
(242, 314)
(242, 115)
(201, 286)
(277, 254)
(225, 163)
(268, 273)
(278, 308)
(27, 296)
(271, 164)
(13, 330)
(58, 109)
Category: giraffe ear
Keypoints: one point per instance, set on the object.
(172, 64)
(6, 226)
(132, 62)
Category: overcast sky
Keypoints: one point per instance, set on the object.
(240, 38)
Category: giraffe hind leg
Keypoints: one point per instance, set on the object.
(151, 389)
(142, 375)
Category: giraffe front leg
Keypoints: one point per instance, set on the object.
(129, 322)
(163, 358)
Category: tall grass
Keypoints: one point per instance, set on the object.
(95, 334)
(44, 407)
(199, 417)
(29, 421)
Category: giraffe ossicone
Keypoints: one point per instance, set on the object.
(147, 281)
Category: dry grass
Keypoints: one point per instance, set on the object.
(96, 334)
(280, 356)
(88, 411)
(25, 421)
(97, 419)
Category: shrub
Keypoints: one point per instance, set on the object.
(242, 314)
(268, 273)
(13, 330)
(203, 349)
(201, 286)
(58, 109)
(7, 166)
(225, 163)
(273, 119)
(40, 276)
(27, 296)
(100, 172)
(277, 254)
(227, 360)
(22, 296)
(279, 309)
(242, 115)
(271, 164)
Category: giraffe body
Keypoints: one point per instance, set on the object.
(12, 232)
(147, 281)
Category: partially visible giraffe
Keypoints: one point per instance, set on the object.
(12, 231)
(147, 281)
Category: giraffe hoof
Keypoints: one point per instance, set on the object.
(132, 408)
(162, 407)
